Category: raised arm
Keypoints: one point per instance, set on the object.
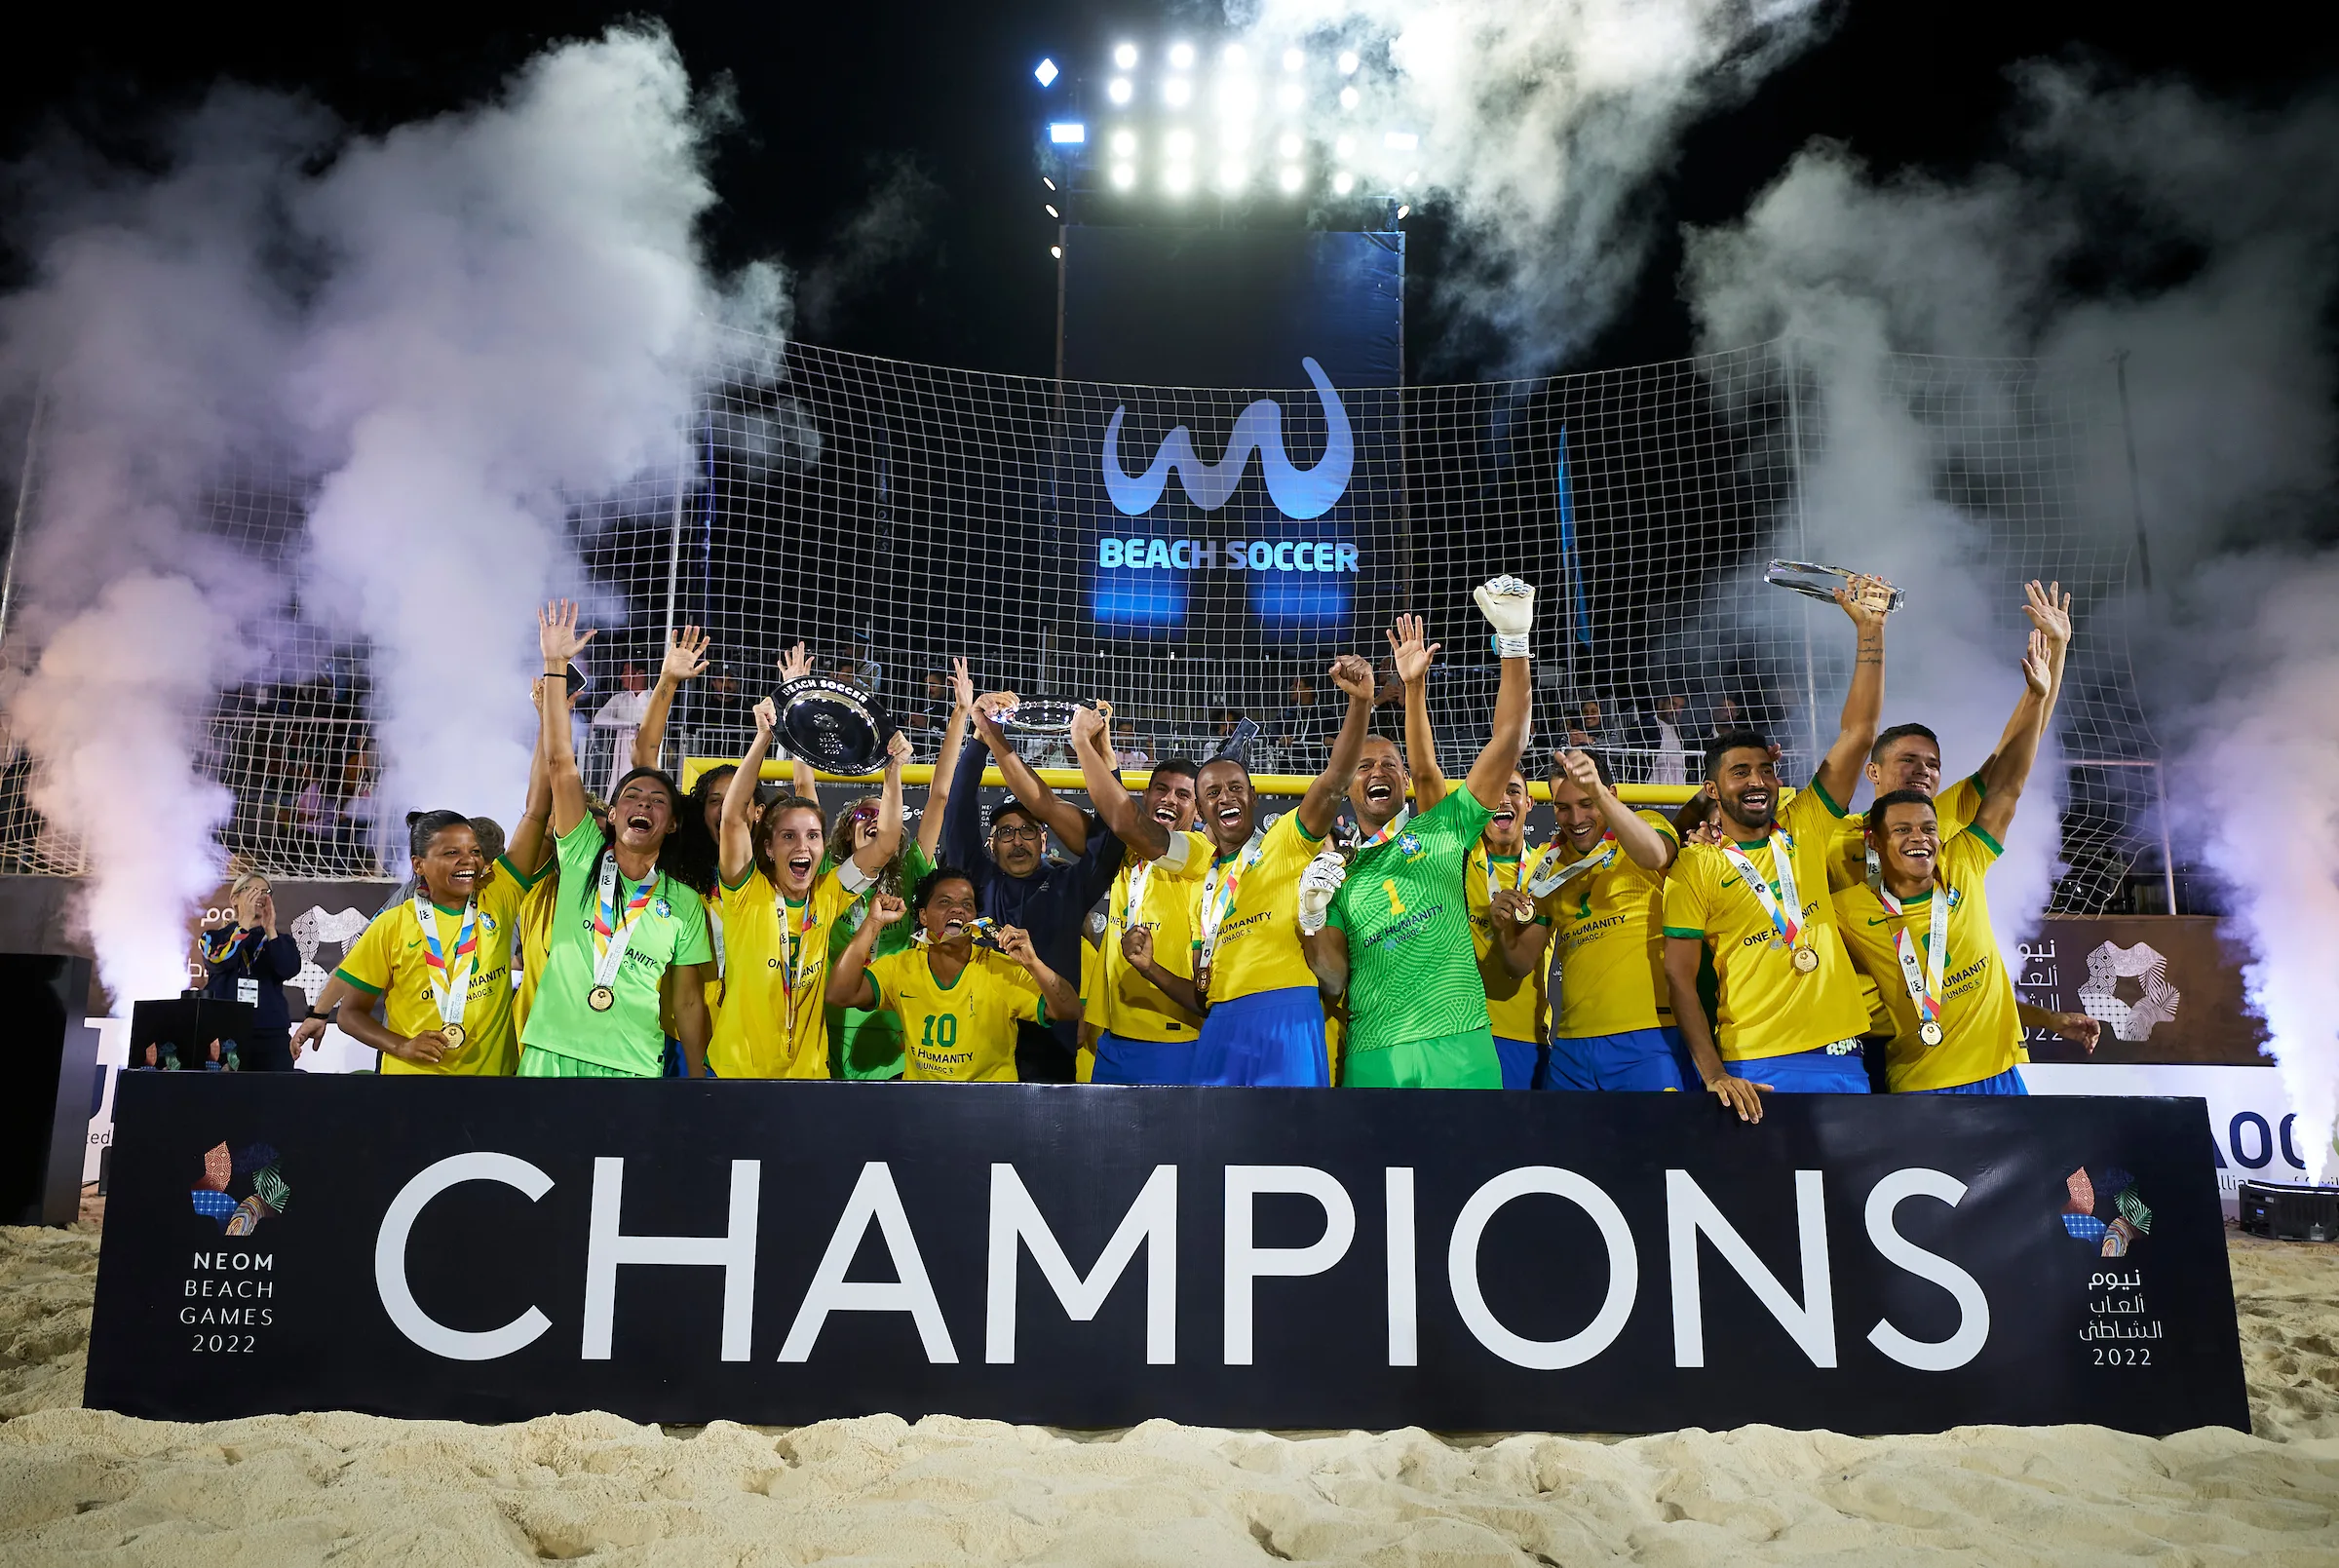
(885, 843)
(559, 641)
(1413, 655)
(803, 779)
(1116, 808)
(1648, 847)
(938, 788)
(735, 849)
(2050, 612)
(1509, 605)
(526, 847)
(2013, 768)
(686, 657)
(1838, 772)
(1065, 819)
(1064, 997)
(1321, 803)
(848, 976)
(963, 843)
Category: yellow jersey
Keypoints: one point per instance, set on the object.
(1511, 1001)
(1980, 1034)
(1847, 843)
(391, 961)
(1609, 944)
(1259, 939)
(1766, 1006)
(537, 907)
(963, 1032)
(1119, 998)
(771, 1026)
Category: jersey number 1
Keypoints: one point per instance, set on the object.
(1397, 905)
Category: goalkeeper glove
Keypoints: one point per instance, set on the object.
(1510, 606)
(1316, 885)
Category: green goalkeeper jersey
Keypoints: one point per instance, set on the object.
(1413, 972)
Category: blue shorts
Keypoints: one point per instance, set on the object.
(1123, 1060)
(1522, 1063)
(1645, 1059)
(1807, 1072)
(2008, 1081)
(1267, 1037)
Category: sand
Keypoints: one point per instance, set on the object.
(83, 1486)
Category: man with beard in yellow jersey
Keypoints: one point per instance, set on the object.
(1921, 928)
(440, 963)
(1142, 1034)
(1262, 1018)
(1789, 1015)
(778, 906)
(959, 1003)
(1598, 895)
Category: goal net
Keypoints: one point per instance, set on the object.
(1200, 556)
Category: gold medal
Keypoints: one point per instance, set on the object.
(1930, 1032)
(1807, 959)
(601, 999)
(452, 1034)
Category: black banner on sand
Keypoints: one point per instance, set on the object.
(777, 1252)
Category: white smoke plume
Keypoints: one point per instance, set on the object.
(2199, 238)
(1540, 126)
(455, 333)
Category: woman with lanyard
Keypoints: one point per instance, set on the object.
(1599, 893)
(778, 906)
(1920, 928)
(621, 922)
(440, 963)
(249, 962)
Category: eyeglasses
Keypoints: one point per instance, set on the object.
(1011, 832)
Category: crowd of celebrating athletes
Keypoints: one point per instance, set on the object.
(1187, 935)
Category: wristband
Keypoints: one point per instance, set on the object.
(1512, 645)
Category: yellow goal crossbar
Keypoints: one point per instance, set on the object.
(1265, 784)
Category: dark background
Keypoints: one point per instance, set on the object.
(835, 104)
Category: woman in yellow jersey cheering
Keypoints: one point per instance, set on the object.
(959, 1004)
(778, 905)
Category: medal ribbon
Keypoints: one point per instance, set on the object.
(450, 983)
(612, 929)
(1924, 981)
(1785, 907)
(1218, 889)
(1389, 831)
(1138, 875)
(795, 945)
(1556, 876)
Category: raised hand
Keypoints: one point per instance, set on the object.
(1409, 652)
(795, 664)
(2049, 610)
(1353, 675)
(767, 717)
(962, 686)
(2038, 667)
(987, 709)
(897, 750)
(263, 913)
(1863, 598)
(568, 692)
(1137, 945)
(1509, 605)
(685, 654)
(1583, 771)
(556, 634)
(1088, 727)
(1318, 885)
(1016, 943)
(887, 907)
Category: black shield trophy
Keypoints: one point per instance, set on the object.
(833, 725)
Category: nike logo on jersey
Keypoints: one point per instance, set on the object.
(1729, 882)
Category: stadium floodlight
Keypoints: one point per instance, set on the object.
(1046, 71)
(1177, 92)
(1124, 177)
(1291, 94)
(1294, 60)
(1234, 54)
(1231, 175)
(1068, 132)
(1050, 183)
(1291, 177)
(1403, 213)
(1125, 55)
(1050, 211)
(1181, 144)
(1343, 183)
(1057, 251)
(1119, 90)
(1233, 138)
(1347, 63)
(1237, 96)
(1181, 57)
(1402, 140)
(1290, 146)
(1348, 98)
(1124, 144)
(1178, 179)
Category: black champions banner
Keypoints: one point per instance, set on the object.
(777, 1252)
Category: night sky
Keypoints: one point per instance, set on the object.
(833, 104)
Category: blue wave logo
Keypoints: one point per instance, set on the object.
(1299, 493)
